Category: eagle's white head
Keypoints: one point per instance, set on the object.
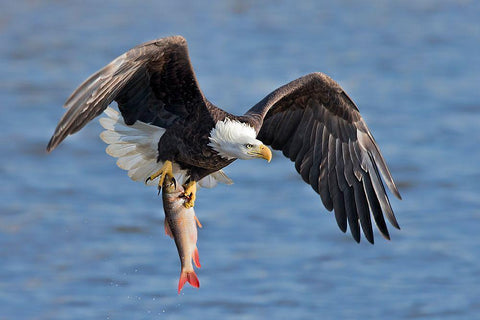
(234, 139)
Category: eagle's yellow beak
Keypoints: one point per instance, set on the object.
(264, 152)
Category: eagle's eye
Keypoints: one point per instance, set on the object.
(249, 146)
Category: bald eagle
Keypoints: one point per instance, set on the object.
(166, 127)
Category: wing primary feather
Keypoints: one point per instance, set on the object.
(351, 211)
(335, 190)
(362, 160)
(363, 211)
(381, 194)
(306, 165)
(355, 160)
(339, 165)
(331, 153)
(338, 202)
(317, 157)
(323, 177)
(375, 206)
(348, 167)
(367, 140)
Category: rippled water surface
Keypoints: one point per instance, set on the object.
(79, 240)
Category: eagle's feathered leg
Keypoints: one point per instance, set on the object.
(166, 170)
(190, 193)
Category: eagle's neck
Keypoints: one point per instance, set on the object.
(227, 135)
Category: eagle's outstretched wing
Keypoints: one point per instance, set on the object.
(153, 82)
(314, 122)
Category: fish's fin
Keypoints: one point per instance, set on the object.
(196, 258)
(168, 231)
(189, 276)
(198, 222)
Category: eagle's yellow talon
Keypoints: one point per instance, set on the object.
(190, 194)
(166, 170)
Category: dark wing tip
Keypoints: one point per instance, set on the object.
(389, 180)
(397, 194)
(55, 140)
(50, 145)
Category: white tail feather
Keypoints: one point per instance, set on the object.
(136, 148)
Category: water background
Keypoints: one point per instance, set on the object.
(79, 240)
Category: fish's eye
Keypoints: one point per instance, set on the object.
(249, 146)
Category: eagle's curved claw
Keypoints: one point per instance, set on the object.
(166, 170)
(190, 192)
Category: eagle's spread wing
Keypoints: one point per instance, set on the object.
(153, 82)
(314, 122)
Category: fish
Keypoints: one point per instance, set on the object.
(181, 225)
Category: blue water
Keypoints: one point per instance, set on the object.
(79, 240)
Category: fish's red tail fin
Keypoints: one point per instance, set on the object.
(189, 276)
